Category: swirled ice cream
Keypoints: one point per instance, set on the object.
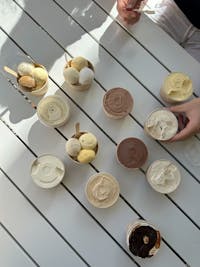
(161, 125)
(117, 103)
(102, 190)
(163, 176)
(47, 171)
(53, 111)
(177, 87)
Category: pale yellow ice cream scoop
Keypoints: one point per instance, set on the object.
(79, 63)
(177, 87)
(88, 141)
(40, 75)
(86, 156)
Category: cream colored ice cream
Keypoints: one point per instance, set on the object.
(86, 156)
(40, 75)
(73, 147)
(53, 111)
(25, 68)
(161, 125)
(47, 171)
(79, 63)
(177, 87)
(88, 141)
(163, 176)
(86, 76)
(71, 75)
(102, 190)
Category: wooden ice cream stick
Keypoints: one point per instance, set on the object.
(77, 126)
(10, 71)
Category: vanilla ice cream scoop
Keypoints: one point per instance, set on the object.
(73, 147)
(88, 141)
(79, 63)
(25, 68)
(40, 75)
(161, 125)
(71, 75)
(163, 176)
(177, 87)
(86, 76)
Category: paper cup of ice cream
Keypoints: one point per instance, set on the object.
(161, 125)
(102, 190)
(163, 176)
(33, 78)
(78, 74)
(143, 239)
(53, 111)
(82, 147)
(132, 153)
(117, 103)
(47, 171)
(177, 87)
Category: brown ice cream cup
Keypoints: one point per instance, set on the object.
(132, 153)
(117, 103)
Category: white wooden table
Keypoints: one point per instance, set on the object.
(59, 227)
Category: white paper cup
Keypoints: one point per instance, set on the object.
(47, 171)
(59, 110)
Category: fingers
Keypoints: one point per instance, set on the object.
(188, 131)
(178, 108)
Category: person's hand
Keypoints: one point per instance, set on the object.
(192, 112)
(129, 16)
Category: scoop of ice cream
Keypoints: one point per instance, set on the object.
(161, 125)
(79, 63)
(86, 76)
(86, 156)
(178, 86)
(88, 141)
(26, 81)
(25, 68)
(73, 147)
(163, 176)
(40, 75)
(71, 75)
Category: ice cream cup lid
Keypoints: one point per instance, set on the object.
(47, 171)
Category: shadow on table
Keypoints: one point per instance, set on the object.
(31, 38)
